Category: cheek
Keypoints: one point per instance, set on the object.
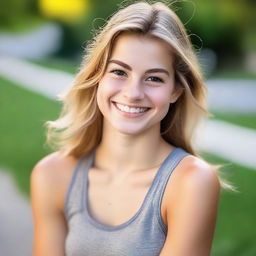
(103, 91)
(161, 98)
(108, 86)
(106, 89)
(162, 102)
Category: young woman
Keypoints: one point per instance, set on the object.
(125, 178)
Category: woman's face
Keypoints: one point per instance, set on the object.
(137, 88)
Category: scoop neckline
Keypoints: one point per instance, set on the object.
(85, 196)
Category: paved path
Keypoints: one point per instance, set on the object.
(229, 141)
(233, 95)
(16, 227)
(38, 42)
(35, 78)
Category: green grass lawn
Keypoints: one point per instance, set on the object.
(58, 64)
(247, 120)
(235, 230)
(23, 114)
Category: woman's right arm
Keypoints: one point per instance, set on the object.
(47, 199)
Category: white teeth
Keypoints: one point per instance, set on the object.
(130, 110)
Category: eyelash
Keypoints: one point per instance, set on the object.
(159, 80)
(118, 71)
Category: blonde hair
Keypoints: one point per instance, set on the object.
(79, 128)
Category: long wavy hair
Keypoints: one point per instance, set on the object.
(78, 130)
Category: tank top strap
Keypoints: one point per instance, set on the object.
(163, 176)
(73, 198)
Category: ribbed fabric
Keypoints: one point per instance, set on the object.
(142, 235)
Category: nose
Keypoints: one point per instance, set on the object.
(134, 90)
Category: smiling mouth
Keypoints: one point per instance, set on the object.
(129, 109)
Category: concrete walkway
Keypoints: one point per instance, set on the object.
(37, 42)
(41, 80)
(232, 95)
(230, 142)
(16, 229)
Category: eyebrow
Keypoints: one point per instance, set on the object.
(152, 70)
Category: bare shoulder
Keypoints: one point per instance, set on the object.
(195, 173)
(191, 201)
(55, 161)
(51, 176)
(195, 177)
(48, 185)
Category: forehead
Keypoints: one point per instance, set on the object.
(135, 49)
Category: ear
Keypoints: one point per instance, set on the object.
(176, 93)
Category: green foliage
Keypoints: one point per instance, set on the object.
(250, 39)
(61, 64)
(13, 11)
(226, 26)
(221, 24)
(77, 35)
(234, 73)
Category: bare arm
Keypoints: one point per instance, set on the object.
(50, 228)
(192, 216)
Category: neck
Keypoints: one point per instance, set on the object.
(119, 152)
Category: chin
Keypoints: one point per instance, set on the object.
(130, 130)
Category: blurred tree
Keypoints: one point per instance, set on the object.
(226, 26)
(13, 12)
(222, 25)
(78, 31)
(71, 15)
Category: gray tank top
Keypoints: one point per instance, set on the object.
(142, 235)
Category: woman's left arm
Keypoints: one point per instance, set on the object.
(192, 215)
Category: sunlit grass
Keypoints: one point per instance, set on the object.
(234, 233)
(58, 64)
(23, 114)
(247, 120)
